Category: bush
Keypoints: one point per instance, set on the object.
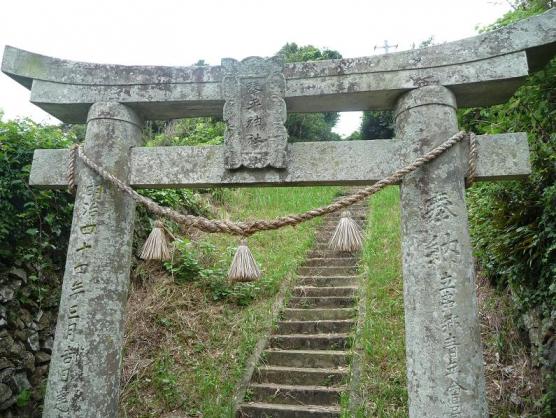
(199, 262)
(34, 227)
(513, 224)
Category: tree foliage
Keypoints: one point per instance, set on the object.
(377, 124)
(310, 126)
(295, 53)
(513, 224)
(35, 223)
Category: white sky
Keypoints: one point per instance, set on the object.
(171, 32)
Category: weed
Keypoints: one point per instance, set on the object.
(23, 398)
(166, 381)
(193, 333)
(382, 386)
(248, 395)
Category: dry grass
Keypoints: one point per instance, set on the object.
(185, 351)
(514, 386)
(176, 323)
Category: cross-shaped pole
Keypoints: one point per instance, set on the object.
(386, 47)
(445, 365)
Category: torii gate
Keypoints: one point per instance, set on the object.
(444, 355)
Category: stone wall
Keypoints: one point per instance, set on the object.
(28, 311)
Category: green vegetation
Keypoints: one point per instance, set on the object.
(192, 131)
(190, 331)
(514, 386)
(377, 125)
(383, 377)
(23, 398)
(188, 336)
(34, 228)
(310, 126)
(513, 224)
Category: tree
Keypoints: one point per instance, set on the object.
(310, 126)
(377, 125)
(513, 224)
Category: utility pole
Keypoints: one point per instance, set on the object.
(386, 47)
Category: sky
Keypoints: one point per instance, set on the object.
(171, 32)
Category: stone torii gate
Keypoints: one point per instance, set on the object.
(444, 355)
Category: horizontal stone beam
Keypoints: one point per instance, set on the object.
(500, 157)
(482, 70)
(478, 83)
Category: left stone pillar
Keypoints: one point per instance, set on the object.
(84, 372)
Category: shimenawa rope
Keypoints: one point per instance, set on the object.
(245, 229)
(473, 154)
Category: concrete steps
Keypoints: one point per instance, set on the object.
(322, 301)
(326, 252)
(304, 368)
(300, 375)
(318, 314)
(328, 271)
(272, 410)
(310, 341)
(295, 394)
(315, 327)
(330, 261)
(314, 291)
(328, 281)
(326, 359)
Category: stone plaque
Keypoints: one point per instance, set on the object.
(255, 113)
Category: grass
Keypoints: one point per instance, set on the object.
(514, 385)
(382, 384)
(187, 341)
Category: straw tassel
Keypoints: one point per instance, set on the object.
(348, 236)
(244, 267)
(156, 245)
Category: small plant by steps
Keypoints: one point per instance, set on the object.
(304, 368)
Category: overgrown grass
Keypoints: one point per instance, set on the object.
(186, 347)
(383, 380)
(513, 384)
(187, 341)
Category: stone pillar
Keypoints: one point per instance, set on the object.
(84, 373)
(444, 354)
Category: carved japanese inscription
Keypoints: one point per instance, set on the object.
(255, 113)
(80, 276)
(443, 253)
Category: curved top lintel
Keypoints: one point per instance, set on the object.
(536, 35)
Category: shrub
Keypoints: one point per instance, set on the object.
(34, 227)
(513, 224)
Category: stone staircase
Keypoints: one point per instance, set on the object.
(304, 367)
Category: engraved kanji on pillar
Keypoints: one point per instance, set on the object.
(255, 113)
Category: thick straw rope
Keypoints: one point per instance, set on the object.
(246, 229)
(72, 187)
(473, 153)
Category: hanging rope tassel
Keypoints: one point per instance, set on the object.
(348, 236)
(156, 245)
(244, 268)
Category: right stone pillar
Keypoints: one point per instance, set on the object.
(445, 368)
